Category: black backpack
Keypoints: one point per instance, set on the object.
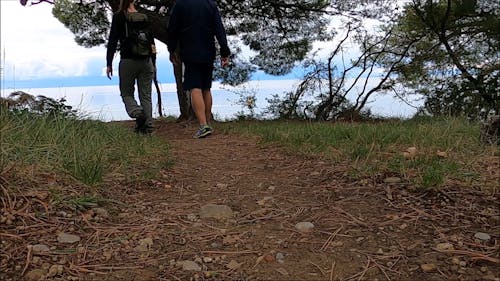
(138, 35)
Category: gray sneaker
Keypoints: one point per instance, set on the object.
(203, 131)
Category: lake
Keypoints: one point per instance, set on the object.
(104, 102)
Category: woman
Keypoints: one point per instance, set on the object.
(132, 30)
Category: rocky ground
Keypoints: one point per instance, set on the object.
(230, 209)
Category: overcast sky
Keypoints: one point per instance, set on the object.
(37, 46)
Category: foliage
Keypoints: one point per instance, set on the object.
(23, 103)
(86, 19)
(248, 101)
(453, 56)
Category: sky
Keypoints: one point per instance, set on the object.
(35, 46)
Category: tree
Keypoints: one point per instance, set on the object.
(454, 59)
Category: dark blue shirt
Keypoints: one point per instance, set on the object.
(194, 25)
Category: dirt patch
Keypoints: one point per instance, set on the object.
(371, 229)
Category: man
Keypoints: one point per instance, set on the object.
(193, 26)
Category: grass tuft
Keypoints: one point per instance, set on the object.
(442, 148)
(83, 149)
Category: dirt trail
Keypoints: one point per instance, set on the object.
(374, 229)
(363, 230)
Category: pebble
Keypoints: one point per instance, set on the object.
(444, 246)
(55, 270)
(216, 211)
(35, 275)
(304, 227)
(428, 267)
(101, 212)
(189, 266)
(67, 238)
(280, 258)
(40, 249)
(482, 236)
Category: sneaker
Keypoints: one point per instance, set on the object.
(203, 131)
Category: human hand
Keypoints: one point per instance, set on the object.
(224, 62)
(109, 72)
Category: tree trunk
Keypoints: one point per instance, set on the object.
(182, 96)
(160, 24)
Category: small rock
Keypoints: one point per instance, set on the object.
(207, 260)
(35, 275)
(40, 249)
(54, 270)
(428, 267)
(412, 151)
(101, 212)
(444, 246)
(280, 257)
(36, 260)
(189, 266)
(269, 258)
(442, 154)
(304, 227)
(482, 236)
(67, 238)
(483, 269)
(216, 211)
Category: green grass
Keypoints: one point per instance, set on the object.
(83, 149)
(377, 148)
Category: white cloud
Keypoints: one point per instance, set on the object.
(37, 45)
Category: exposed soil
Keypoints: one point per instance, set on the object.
(373, 229)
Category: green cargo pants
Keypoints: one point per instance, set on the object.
(130, 71)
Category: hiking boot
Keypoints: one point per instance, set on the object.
(139, 124)
(143, 126)
(203, 131)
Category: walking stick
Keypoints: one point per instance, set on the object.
(155, 80)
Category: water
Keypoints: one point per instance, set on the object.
(104, 102)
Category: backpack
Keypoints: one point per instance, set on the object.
(137, 35)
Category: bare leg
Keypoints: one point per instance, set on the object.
(198, 103)
(207, 98)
